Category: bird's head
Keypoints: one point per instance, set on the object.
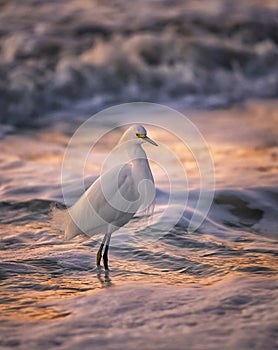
(138, 134)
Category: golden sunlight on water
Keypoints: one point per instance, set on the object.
(169, 287)
(244, 144)
(40, 304)
(42, 268)
(33, 297)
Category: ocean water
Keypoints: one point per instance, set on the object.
(209, 289)
(216, 287)
(77, 57)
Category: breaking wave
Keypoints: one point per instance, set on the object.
(75, 60)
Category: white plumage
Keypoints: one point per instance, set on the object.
(113, 199)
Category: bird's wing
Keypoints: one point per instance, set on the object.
(109, 200)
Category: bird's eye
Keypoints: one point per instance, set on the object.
(141, 135)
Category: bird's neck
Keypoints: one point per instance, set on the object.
(140, 164)
(136, 152)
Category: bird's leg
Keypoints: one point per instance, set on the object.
(99, 253)
(105, 255)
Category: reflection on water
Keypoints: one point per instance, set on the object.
(104, 279)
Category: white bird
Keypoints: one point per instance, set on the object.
(113, 199)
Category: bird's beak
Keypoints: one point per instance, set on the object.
(146, 138)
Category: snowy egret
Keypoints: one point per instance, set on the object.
(113, 199)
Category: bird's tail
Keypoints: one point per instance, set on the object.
(62, 221)
(71, 229)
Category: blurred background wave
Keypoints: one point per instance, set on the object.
(68, 57)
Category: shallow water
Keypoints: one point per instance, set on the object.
(216, 287)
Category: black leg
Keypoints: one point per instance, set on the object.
(105, 257)
(99, 253)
